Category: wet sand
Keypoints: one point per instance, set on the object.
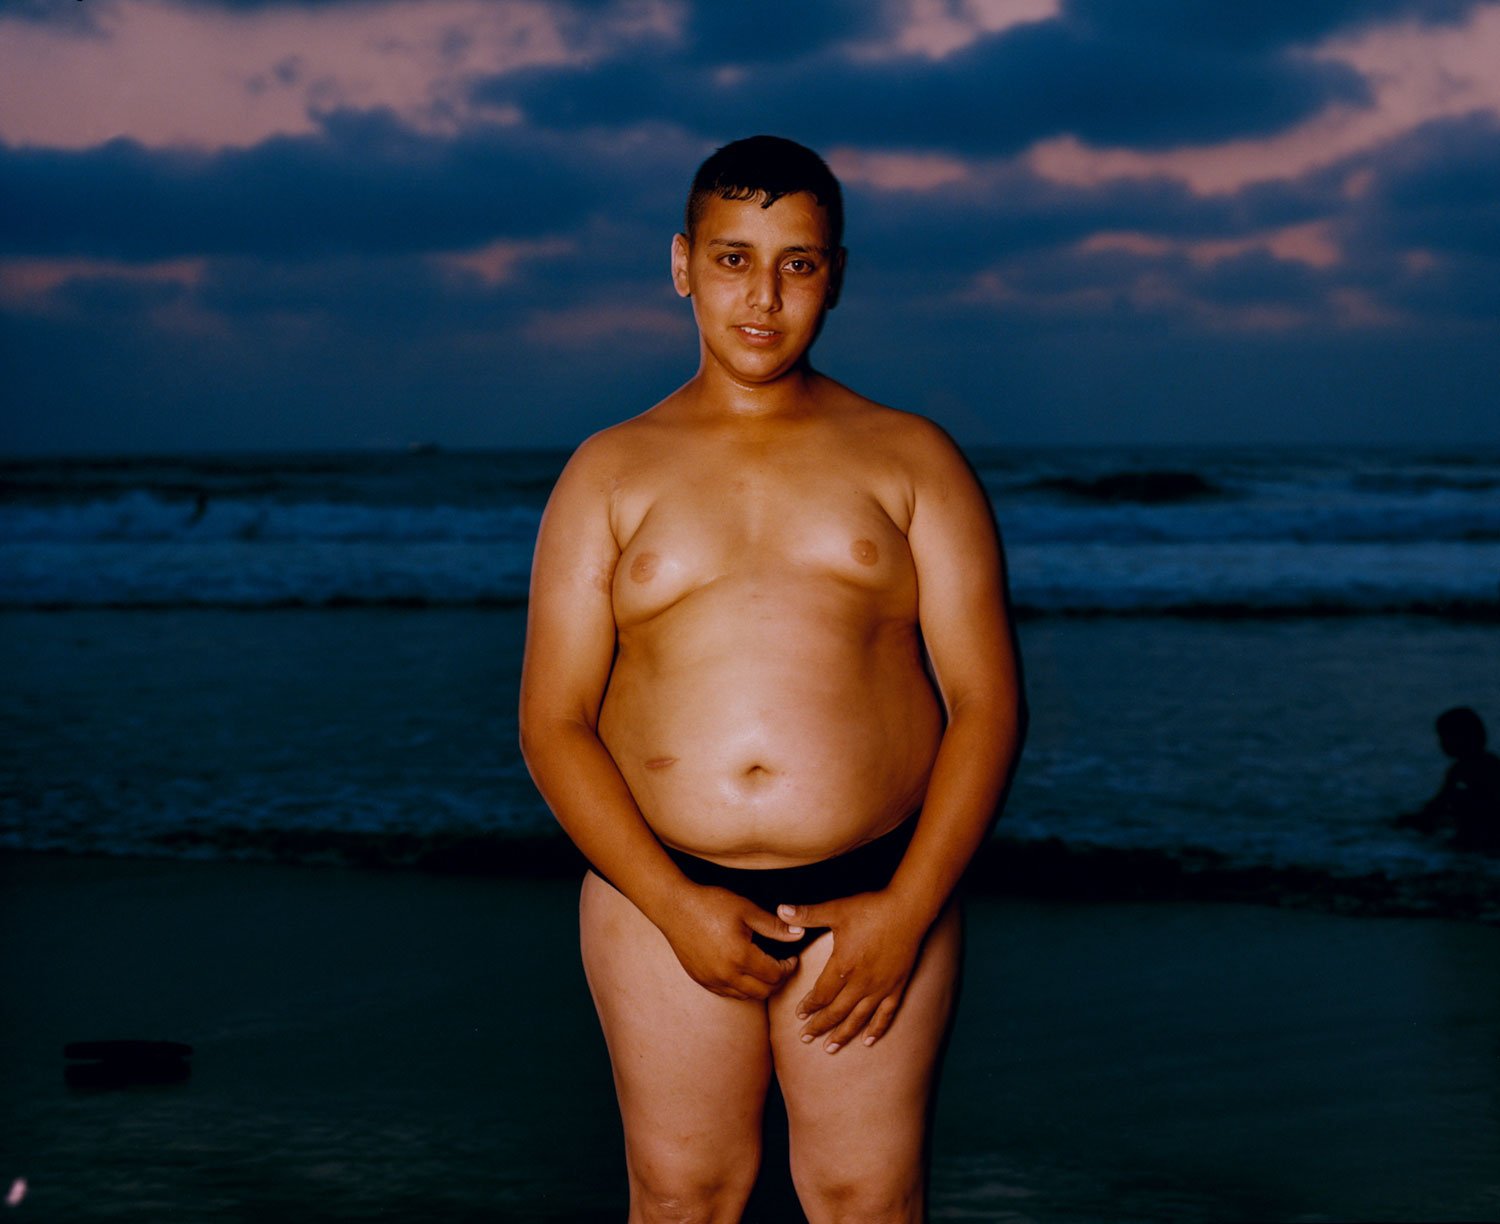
(394, 1045)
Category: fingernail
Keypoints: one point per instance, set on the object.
(806, 1037)
(869, 1041)
(791, 930)
(832, 1047)
(786, 911)
(801, 1015)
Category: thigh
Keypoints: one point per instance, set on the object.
(858, 1117)
(690, 1067)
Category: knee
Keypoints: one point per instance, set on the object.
(678, 1192)
(865, 1200)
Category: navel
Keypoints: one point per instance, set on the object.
(864, 551)
(643, 567)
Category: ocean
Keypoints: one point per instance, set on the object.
(1233, 660)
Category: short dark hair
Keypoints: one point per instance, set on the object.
(766, 168)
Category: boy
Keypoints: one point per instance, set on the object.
(770, 692)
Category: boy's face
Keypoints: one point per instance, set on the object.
(760, 280)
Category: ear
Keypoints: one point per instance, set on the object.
(680, 265)
(835, 279)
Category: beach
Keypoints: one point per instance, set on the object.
(386, 1044)
(260, 793)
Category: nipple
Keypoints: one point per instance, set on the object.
(643, 567)
(864, 551)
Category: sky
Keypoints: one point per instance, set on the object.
(330, 224)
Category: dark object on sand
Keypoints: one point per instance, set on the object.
(122, 1064)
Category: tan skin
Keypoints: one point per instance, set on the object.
(733, 601)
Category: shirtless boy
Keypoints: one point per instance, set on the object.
(770, 692)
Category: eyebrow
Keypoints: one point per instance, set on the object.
(740, 244)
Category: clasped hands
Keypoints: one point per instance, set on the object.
(875, 944)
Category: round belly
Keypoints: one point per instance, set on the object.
(762, 760)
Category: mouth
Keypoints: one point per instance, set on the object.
(756, 333)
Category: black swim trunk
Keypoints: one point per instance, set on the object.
(864, 869)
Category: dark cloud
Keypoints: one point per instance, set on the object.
(995, 96)
(81, 17)
(1437, 188)
(364, 183)
(1260, 25)
(779, 29)
(319, 316)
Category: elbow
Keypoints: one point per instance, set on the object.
(536, 733)
(528, 734)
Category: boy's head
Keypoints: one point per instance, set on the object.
(765, 168)
(1460, 732)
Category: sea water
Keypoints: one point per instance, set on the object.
(1233, 660)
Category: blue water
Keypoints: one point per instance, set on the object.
(1252, 533)
(1233, 660)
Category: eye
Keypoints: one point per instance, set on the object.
(732, 259)
(801, 266)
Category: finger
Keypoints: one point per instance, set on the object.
(831, 1015)
(800, 917)
(764, 967)
(849, 1029)
(724, 990)
(882, 1018)
(830, 982)
(753, 989)
(762, 990)
(771, 926)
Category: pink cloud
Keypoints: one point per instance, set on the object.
(936, 29)
(169, 73)
(26, 283)
(1311, 243)
(1417, 74)
(496, 263)
(897, 171)
(583, 326)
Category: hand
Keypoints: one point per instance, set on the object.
(709, 930)
(875, 946)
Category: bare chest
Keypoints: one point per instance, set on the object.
(759, 533)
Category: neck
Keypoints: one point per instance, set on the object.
(718, 393)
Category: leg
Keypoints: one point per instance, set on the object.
(859, 1117)
(691, 1068)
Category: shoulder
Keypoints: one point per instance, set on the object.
(918, 445)
(929, 459)
(919, 441)
(602, 460)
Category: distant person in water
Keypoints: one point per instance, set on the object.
(1468, 802)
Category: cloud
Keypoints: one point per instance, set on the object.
(349, 219)
(1265, 25)
(211, 75)
(994, 97)
(1437, 188)
(774, 30)
(363, 183)
(1415, 71)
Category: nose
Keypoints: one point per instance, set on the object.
(765, 290)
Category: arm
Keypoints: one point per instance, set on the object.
(966, 627)
(570, 647)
